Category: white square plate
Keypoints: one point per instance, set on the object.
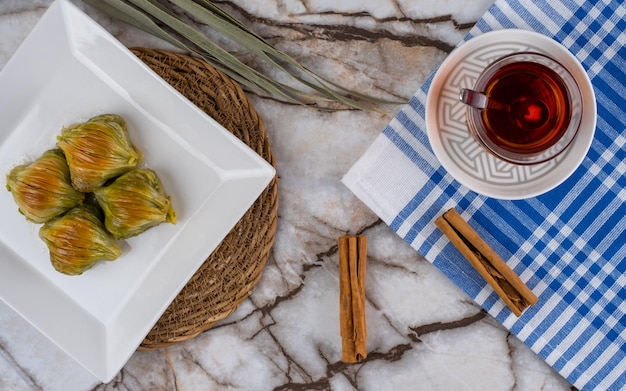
(68, 70)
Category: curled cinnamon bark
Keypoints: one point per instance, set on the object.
(352, 262)
(491, 267)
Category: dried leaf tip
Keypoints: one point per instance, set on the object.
(292, 83)
(516, 295)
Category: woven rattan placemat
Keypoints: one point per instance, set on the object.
(228, 276)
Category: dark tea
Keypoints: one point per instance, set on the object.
(535, 110)
(525, 108)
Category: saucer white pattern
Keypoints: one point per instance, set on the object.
(462, 156)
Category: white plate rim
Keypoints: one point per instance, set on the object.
(107, 344)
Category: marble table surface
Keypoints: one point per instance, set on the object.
(423, 332)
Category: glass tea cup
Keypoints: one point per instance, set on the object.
(525, 108)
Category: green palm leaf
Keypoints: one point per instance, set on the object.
(156, 19)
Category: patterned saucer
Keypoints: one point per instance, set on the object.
(462, 156)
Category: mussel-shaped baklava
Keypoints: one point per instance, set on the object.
(98, 150)
(133, 203)
(42, 189)
(78, 240)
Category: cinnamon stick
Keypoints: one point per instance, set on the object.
(516, 295)
(352, 261)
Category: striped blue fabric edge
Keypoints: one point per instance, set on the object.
(575, 31)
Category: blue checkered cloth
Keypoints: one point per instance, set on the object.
(569, 244)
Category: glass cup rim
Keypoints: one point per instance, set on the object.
(474, 121)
